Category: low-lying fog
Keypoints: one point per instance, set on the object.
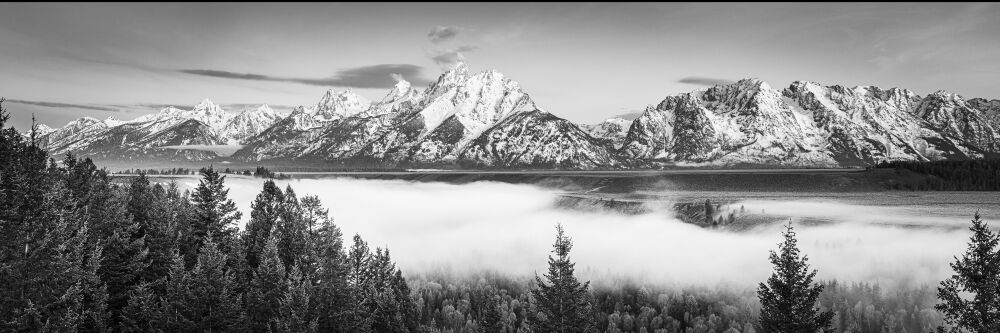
(510, 228)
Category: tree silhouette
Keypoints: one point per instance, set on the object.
(562, 304)
(970, 298)
(788, 299)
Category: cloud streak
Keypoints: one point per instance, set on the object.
(704, 81)
(63, 105)
(443, 33)
(375, 76)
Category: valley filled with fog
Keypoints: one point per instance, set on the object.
(889, 238)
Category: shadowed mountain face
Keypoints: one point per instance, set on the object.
(485, 120)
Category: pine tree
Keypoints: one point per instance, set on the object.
(970, 298)
(212, 301)
(266, 209)
(200, 300)
(291, 230)
(121, 268)
(266, 290)
(360, 286)
(214, 214)
(788, 299)
(294, 311)
(140, 202)
(562, 304)
(141, 313)
(326, 266)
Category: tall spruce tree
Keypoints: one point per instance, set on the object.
(327, 269)
(291, 230)
(788, 299)
(202, 299)
(266, 290)
(562, 304)
(264, 214)
(970, 298)
(294, 311)
(214, 213)
(124, 260)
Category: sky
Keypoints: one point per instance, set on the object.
(583, 62)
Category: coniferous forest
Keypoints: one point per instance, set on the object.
(80, 252)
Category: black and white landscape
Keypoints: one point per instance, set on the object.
(515, 167)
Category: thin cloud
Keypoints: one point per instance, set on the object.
(64, 105)
(448, 57)
(704, 81)
(443, 33)
(376, 76)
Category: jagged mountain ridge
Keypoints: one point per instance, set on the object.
(434, 127)
(205, 124)
(484, 119)
(807, 124)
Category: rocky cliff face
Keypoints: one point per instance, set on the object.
(807, 124)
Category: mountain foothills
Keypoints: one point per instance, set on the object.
(486, 120)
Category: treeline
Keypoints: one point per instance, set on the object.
(170, 171)
(967, 175)
(259, 172)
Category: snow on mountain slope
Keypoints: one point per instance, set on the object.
(808, 124)
(486, 120)
(40, 130)
(610, 131)
(250, 122)
(336, 105)
(188, 132)
(538, 139)
(950, 115)
(205, 124)
(477, 101)
(402, 96)
(744, 122)
(284, 139)
(407, 126)
(864, 125)
(989, 108)
(206, 112)
(452, 112)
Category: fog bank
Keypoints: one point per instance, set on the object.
(510, 228)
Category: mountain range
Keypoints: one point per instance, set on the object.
(486, 120)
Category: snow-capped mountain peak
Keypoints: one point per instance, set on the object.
(477, 101)
(250, 122)
(207, 106)
(40, 130)
(113, 121)
(336, 105)
(400, 94)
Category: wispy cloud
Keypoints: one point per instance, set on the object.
(704, 81)
(375, 76)
(64, 105)
(443, 33)
(447, 57)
